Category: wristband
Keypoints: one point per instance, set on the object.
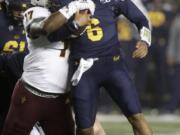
(145, 35)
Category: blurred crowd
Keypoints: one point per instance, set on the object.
(157, 77)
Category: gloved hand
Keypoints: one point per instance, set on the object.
(77, 5)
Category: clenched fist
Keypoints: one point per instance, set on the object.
(141, 50)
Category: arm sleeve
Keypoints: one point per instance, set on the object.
(132, 12)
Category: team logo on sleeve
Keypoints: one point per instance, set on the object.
(23, 100)
(116, 58)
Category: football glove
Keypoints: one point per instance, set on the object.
(74, 6)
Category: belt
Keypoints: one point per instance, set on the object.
(38, 92)
(113, 57)
(86, 64)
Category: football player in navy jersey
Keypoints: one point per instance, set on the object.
(12, 33)
(12, 38)
(97, 62)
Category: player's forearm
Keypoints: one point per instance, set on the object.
(61, 34)
(57, 19)
(42, 26)
(135, 15)
(70, 29)
(54, 22)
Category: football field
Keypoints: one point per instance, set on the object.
(118, 125)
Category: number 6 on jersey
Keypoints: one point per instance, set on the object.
(94, 32)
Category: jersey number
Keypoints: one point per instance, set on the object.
(94, 32)
(28, 15)
(10, 46)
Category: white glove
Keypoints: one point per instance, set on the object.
(87, 4)
(37, 130)
(84, 65)
(74, 6)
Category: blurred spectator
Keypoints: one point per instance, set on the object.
(173, 60)
(151, 74)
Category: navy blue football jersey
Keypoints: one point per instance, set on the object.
(12, 37)
(12, 63)
(101, 37)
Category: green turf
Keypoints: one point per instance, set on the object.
(159, 128)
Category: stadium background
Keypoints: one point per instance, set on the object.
(153, 75)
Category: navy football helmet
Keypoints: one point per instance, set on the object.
(15, 8)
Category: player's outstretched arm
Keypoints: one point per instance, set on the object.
(54, 22)
(73, 28)
(135, 15)
(57, 19)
